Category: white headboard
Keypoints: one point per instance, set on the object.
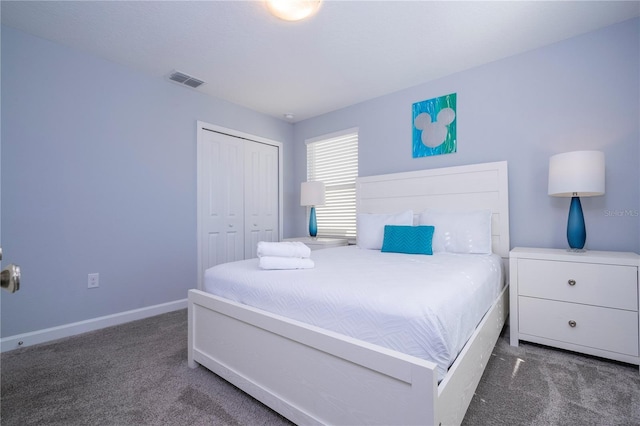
(472, 187)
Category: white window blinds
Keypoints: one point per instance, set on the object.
(333, 159)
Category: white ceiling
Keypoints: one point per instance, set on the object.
(351, 51)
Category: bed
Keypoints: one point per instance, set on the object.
(314, 375)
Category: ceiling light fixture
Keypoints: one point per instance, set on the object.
(293, 10)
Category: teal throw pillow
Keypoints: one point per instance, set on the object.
(408, 239)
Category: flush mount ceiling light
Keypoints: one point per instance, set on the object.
(293, 10)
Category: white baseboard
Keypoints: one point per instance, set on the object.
(68, 330)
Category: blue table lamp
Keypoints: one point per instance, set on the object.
(312, 194)
(576, 174)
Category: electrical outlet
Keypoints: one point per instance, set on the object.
(94, 281)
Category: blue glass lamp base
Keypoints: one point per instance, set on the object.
(313, 223)
(576, 231)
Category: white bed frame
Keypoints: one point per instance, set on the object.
(314, 376)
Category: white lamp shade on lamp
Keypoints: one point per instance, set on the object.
(312, 194)
(578, 173)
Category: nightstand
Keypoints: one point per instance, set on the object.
(320, 242)
(585, 302)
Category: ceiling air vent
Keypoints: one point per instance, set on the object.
(186, 79)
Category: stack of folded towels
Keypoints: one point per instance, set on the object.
(284, 255)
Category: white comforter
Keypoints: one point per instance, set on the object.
(425, 306)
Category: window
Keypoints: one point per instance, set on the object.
(333, 159)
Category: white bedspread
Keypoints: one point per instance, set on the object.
(425, 306)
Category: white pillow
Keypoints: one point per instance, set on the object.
(459, 231)
(370, 227)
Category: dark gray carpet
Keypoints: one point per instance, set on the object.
(137, 374)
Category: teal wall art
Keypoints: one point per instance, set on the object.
(434, 126)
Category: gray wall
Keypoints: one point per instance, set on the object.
(579, 94)
(99, 175)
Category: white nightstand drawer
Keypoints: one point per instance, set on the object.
(613, 286)
(608, 329)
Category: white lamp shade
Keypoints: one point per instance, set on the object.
(579, 173)
(312, 193)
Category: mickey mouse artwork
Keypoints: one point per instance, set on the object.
(434, 126)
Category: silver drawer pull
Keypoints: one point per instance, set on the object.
(572, 323)
(571, 282)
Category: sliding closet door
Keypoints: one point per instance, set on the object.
(221, 198)
(261, 195)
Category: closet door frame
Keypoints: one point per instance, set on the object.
(206, 127)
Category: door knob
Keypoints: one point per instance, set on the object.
(10, 278)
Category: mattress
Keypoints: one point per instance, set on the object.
(424, 306)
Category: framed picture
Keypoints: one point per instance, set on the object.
(434, 126)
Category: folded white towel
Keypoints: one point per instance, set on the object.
(278, 262)
(284, 249)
